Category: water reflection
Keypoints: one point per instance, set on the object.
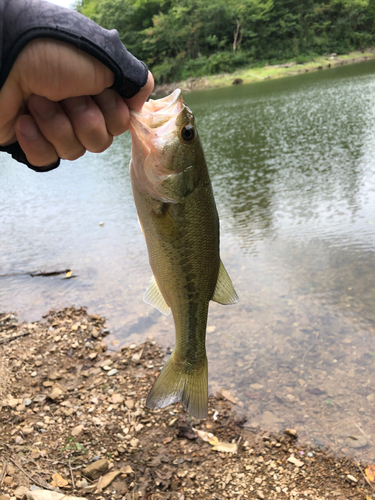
(292, 165)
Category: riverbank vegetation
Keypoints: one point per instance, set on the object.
(180, 39)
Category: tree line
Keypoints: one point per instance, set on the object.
(178, 39)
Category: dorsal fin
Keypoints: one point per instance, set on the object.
(224, 292)
(154, 297)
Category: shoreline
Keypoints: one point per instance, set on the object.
(257, 74)
(73, 422)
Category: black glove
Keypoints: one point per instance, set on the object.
(22, 21)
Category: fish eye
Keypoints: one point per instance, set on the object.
(187, 133)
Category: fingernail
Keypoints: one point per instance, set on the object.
(27, 127)
(43, 107)
(75, 104)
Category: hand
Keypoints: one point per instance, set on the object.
(56, 103)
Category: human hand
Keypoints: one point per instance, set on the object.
(56, 103)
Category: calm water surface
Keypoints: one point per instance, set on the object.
(292, 163)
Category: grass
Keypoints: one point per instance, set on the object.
(256, 74)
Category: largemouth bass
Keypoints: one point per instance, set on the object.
(178, 216)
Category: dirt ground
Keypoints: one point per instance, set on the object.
(72, 420)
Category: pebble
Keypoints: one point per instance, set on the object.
(21, 492)
(112, 372)
(352, 478)
(27, 402)
(129, 403)
(56, 393)
(77, 430)
(96, 469)
(293, 460)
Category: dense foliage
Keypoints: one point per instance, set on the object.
(182, 38)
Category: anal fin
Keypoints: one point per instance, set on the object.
(224, 292)
(154, 297)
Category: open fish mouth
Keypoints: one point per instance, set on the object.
(153, 132)
(158, 117)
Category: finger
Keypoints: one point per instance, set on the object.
(58, 70)
(115, 111)
(37, 149)
(56, 127)
(88, 123)
(139, 99)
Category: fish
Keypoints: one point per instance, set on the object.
(178, 216)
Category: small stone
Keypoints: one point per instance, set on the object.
(134, 442)
(18, 440)
(352, 478)
(96, 469)
(21, 492)
(117, 399)
(112, 372)
(82, 484)
(256, 387)
(211, 329)
(293, 460)
(77, 430)
(49, 495)
(4, 497)
(129, 403)
(27, 402)
(27, 430)
(33, 374)
(56, 393)
(291, 433)
(260, 494)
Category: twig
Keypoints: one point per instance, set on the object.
(307, 350)
(41, 483)
(364, 475)
(71, 475)
(3, 473)
(9, 339)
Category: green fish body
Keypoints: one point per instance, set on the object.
(178, 216)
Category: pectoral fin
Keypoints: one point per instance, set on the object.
(154, 297)
(224, 292)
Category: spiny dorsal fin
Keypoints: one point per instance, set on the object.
(154, 297)
(224, 292)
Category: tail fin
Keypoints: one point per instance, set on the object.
(173, 385)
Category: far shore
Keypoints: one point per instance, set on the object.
(256, 74)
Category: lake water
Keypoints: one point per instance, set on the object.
(292, 163)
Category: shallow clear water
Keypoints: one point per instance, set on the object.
(292, 166)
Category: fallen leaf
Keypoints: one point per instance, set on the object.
(58, 481)
(207, 436)
(370, 473)
(107, 479)
(225, 447)
(229, 396)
